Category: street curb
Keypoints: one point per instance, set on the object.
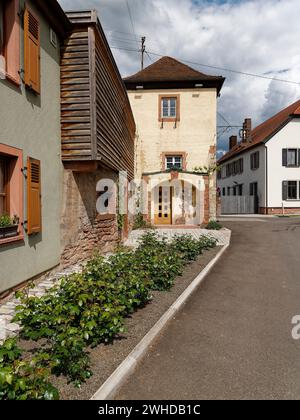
(110, 387)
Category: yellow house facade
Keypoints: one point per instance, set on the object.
(175, 110)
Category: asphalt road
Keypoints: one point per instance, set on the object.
(232, 340)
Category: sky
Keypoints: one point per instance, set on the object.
(255, 36)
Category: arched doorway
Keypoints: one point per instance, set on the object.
(176, 202)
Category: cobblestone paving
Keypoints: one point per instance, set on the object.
(222, 236)
(8, 307)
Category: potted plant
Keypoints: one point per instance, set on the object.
(8, 226)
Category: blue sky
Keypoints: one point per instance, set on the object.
(252, 36)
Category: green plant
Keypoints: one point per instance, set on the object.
(21, 379)
(187, 247)
(214, 225)
(139, 222)
(89, 308)
(6, 221)
(207, 169)
(121, 221)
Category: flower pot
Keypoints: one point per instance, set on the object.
(9, 231)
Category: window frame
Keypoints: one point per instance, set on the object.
(16, 185)
(173, 157)
(255, 161)
(10, 52)
(6, 193)
(296, 157)
(297, 190)
(161, 118)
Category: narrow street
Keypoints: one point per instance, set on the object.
(233, 338)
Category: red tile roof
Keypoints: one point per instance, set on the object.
(168, 70)
(265, 131)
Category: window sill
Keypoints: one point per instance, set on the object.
(169, 120)
(12, 80)
(14, 239)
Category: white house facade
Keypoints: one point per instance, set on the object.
(261, 174)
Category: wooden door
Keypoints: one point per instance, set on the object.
(163, 206)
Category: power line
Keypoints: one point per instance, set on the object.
(232, 71)
(120, 32)
(149, 57)
(224, 119)
(114, 47)
(225, 69)
(131, 19)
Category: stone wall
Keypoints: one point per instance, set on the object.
(83, 230)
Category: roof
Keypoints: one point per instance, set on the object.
(169, 71)
(266, 130)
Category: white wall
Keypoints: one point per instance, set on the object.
(288, 137)
(248, 176)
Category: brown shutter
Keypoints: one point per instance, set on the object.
(32, 51)
(34, 204)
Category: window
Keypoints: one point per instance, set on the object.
(290, 157)
(240, 190)
(4, 190)
(235, 168)
(10, 40)
(169, 108)
(11, 187)
(253, 189)
(173, 162)
(32, 51)
(254, 158)
(291, 190)
(224, 192)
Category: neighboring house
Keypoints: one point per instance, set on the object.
(261, 174)
(98, 131)
(30, 163)
(66, 124)
(175, 109)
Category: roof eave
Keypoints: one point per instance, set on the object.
(55, 15)
(174, 84)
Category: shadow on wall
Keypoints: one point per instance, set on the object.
(34, 240)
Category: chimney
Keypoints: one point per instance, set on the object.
(232, 142)
(247, 131)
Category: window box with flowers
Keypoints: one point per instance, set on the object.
(9, 227)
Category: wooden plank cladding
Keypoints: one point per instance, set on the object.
(97, 121)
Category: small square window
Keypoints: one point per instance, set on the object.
(174, 162)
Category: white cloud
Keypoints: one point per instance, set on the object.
(252, 36)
